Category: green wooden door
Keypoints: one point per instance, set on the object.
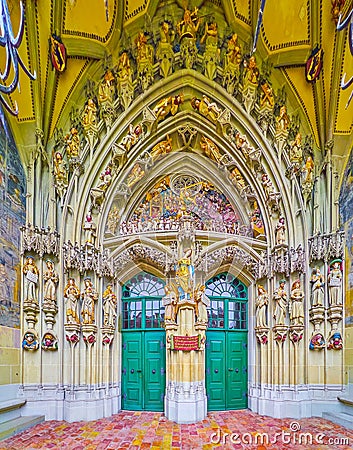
(226, 370)
(143, 370)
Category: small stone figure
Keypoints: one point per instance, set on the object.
(308, 170)
(71, 295)
(89, 296)
(113, 219)
(170, 301)
(51, 279)
(135, 175)
(335, 342)
(212, 52)
(89, 118)
(206, 108)
(335, 283)
(232, 64)
(60, 174)
(90, 228)
(266, 97)
(32, 273)
(133, 135)
(30, 341)
(297, 307)
(282, 121)
(109, 307)
(280, 231)
(317, 342)
(168, 105)
(317, 288)
(280, 299)
(124, 72)
(187, 29)
(106, 90)
(165, 53)
(185, 275)
(251, 72)
(162, 148)
(202, 302)
(72, 141)
(295, 151)
(144, 58)
(210, 148)
(261, 307)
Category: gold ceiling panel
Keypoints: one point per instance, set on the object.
(304, 92)
(286, 24)
(67, 82)
(344, 116)
(242, 10)
(87, 18)
(134, 7)
(44, 11)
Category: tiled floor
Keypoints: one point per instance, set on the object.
(148, 430)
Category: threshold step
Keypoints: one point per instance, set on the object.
(17, 425)
(344, 419)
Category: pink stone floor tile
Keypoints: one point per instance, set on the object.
(220, 430)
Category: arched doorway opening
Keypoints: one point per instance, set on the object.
(226, 344)
(143, 343)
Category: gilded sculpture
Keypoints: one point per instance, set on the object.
(60, 174)
(206, 108)
(232, 62)
(187, 29)
(210, 148)
(168, 105)
(144, 58)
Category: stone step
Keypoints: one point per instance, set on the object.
(9, 409)
(19, 424)
(344, 419)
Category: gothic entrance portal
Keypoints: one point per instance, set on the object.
(226, 344)
(143, 344)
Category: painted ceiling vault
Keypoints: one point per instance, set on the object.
(95, 32)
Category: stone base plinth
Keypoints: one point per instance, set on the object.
(185, 402)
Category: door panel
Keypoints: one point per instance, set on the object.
(215, 375)
(132, 371)
(143, 370)
(154, 370)
(226, 370)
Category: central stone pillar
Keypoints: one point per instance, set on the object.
(185, 323)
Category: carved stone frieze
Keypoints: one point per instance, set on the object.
(39, 240)
(326, 246)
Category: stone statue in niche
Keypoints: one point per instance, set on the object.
(317, 287)
(165, 53)
(187, 29)
(280, 299)
(206, 108)
(31, 273)
(232, 62)
(202, 302)
(296, 305)
(334, 279)
(89, 121)
(210, 149)
(71, 296)
(212, 52)
(109, 307)
(170, 301)
(144, 58)
(261, 307)
(167, 105)
(60, 174)
(280, 231)
(89, 297)
(51, 280)
(250, 83)
(308, 171)
(124, 80)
